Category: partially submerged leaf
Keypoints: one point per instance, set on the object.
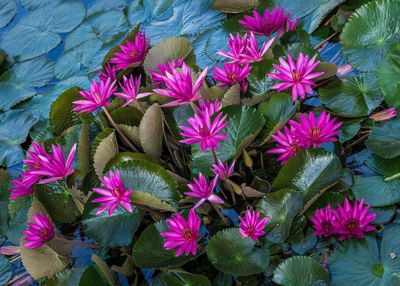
(151, 131)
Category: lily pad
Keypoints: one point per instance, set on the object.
(8, 9)
(373, 262)
(35, 35)
(151, 131)
(309, 172)
(234, 6)
(369, 33)
(5, 270)
(105, 147)
(387, 73)
(351, 97)
(292, 272)
(180, 279)
(149, 252)
(231, 253)
(281, 207)
(384, 139)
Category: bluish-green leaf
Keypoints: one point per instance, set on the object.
(384, 139)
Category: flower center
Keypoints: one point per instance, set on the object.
(133, 53)
(315, 131)
(204, 131)
(296, 75)
(352, 225)
(188, 234)
(327, 226)
(44, 233)
(117, 192)
(251, 229)
(294, 147)
(233, 76)
(97, 97)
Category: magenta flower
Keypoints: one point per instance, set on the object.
(223, 171)
(56, 167)
(269, 23)
(311, 131)
(251, 225)
(287, 147)
(245, 50)
(157, 77)
(180, 86)
(353, 221)
(37, 156)
(231, 74)
(296, 76)
(23, 186)
(40, 230)
(323, 220)
(204, 191)
(130, 90)
(384, 115)
(204, 131)
(96, 97)
(113, 194)
(107, 72)
(182, 234)
(207, 108)
(132, 53)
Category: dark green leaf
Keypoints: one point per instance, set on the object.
(180, 279)
(384, 139)
(5, 270)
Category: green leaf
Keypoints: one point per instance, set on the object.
(129, 115)
(301, 270)
(352, 97)
(18, 211)
(374, 265)
(58, 201)
(149, 180)
(5, 270)
(149, 252)
(151, 131)
(180, 279)
(112, 230)
(84, 151)
(389, 168)
(231, 253)
(105, 148)
(349, 129)
(234, 6)
(384, 139)
(329, 70)
(8, 9)
(231, 96)
(281, 207)
(166, 50)
(377, 191)
(244, 124)
(68, 277)
(387, 74)
(61, 115)
(369, 32)
(309, 172)
(35, 34)
(92, 276)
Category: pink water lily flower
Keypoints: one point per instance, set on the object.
(252, 225)
(223, 171)
(231, 74)
(179, 86)
(182, 234)
(312, 131)
(204, 191)
(204, 130)
(297, 76)
(207, 108)
(157, 76)
(96, 97)
(287, 147)
(353, 220)
(40, 230)
(132, 52)
(130, 90)
(113, 194)
(323, 220)
(23, 186)
(384, 115)
(245, 50)
(265, 25)
(108, 71)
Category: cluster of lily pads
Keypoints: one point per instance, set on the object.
(253, 171)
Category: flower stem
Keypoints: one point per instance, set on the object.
(123, 137)
(139, 106)
(214, 156)
(76, 243)
(216, 208)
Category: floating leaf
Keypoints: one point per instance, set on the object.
(369, 32)
(387, 73)
(35, 34)
(329, 70)
(151, 179)
(349, 129)
(105, 149)
(352, 97)
(231, 96)
(384, 139)
(105, 5)
(18, 213)
(309, 172)
(168, 49)
(281, 207)
(180, 279)
(372, 261)
(149, 252)
(8, 9)
(92, 276)
(231, 253)
(292, 272)
(151, 131)
(234, 6)
(5, 270)
(377, 191)
(68, 277)
(112, 230)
